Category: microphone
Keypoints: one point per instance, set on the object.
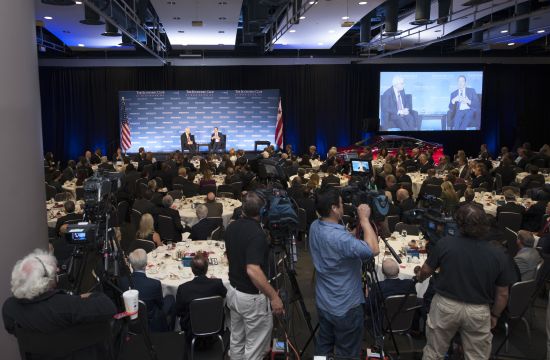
(392, 251)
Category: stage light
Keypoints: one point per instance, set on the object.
(91, 17)
(111, 30)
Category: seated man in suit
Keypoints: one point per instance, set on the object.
(200, 287)
(205, 226)
(463, 105)
(37, 305)
(331, 179)
(423, 164)
(144, 204)
(188, 141)
(533, 176)
(401, 176)
(506, 171)
(390, 286)
(404, 200)
(105, 166)
(469, 195)
(167, 210)
(216, 140)
(527, 257)
(396, 108)
(215, 209)
(70, 216)
(70, 172)
(511, 205)
(391, 185)
(160, 309)
(95, 158)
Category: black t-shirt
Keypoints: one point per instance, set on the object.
(246, 243)
(470, 269)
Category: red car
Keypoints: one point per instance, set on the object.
(392, 143)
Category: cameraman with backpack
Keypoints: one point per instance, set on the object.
(250, 295)
(338, 257)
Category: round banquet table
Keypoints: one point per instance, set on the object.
(188, 215)
(196, 161)
(220, 179)
(489, 202)
(70, 186)
(55, 210)
(406, 269)
(163, 264)
(522, 175)
(343, 179)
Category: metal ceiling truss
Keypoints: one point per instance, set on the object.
(285, 17)
(125, 17)
(453, 17)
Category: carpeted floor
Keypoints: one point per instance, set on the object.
(171, 346)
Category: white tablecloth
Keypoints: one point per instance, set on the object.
(70, 186)
(344, 181)
(220, 179)
(489, 202)
(196, 161)
(189, 216)
(55, 210)
(522, 175)
(163, 265)
(406, 269)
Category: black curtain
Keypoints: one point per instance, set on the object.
(324, 105)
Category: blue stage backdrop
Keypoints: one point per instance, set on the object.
(158, 118)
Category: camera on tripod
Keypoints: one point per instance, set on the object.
(433, 223)
(358, 194)
(279, 214)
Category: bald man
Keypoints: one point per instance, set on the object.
(396, 108)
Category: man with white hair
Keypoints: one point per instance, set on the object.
(396, 108)
(104, 165)
(392, 284)
(160, 309)
(205, 226)
(527, 258)
(36, 304)
(188, 141)
(166, 210)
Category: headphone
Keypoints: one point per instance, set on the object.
(46, 274)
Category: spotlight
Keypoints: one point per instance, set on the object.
(111, 30)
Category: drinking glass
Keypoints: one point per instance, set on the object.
(404, 233)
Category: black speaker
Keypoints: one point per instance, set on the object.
(422, 13)
(390, 21)
(111, 30)
(364, 30)
(444, 7)
(91, 17)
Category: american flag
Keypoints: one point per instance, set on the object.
(279, 127)
(125, 136)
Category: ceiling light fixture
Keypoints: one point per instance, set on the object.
(81, 45)
(302, 17)
(362, 3)
(78, 2)
(320, 44)
(331, 31)
(48, 17)
(292, 31)
(511, 44)
(345, 17)
(540, 31)
(503, 31)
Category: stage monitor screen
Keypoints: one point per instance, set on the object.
(430, 101)
(360, 167)
(157, 119)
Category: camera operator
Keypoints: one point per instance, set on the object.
(338, 256)
(247, 297)
(37, 305)
(471, 289)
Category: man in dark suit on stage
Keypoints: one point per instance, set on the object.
(463, 106)
(397, 108)
(200, 287)
(188, 141)
(216, 140)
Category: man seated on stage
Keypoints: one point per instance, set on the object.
(200, 287)
(216, 140)
(463, 106)
(160, 309)
(188, 141)
(396, 108)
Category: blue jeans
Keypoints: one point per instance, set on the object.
(340, 335)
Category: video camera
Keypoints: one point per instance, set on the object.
(433, 224)
(377, 201)
(279, 213)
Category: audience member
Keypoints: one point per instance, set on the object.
(511, 205)
(69, 217)
(404, 201)
(166, 210)
(215, 208)
(527, 258)
(449, 197)
(146, 230)
(204, 227)
(200, 287)
(160, 310)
